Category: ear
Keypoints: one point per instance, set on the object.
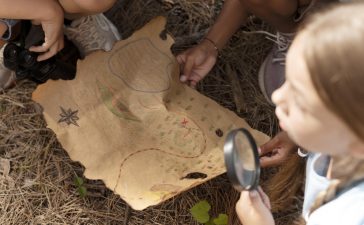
(357, 148)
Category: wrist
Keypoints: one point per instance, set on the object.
(213, 43)
(210, 46)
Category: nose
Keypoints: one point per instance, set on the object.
(278, 95)
(279, 98)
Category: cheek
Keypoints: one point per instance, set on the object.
(311, 134)
(303, 130)
(305, 136)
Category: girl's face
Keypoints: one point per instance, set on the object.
(302, 113)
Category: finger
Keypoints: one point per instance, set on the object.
(270, 161)
(193, 84)
(49, 41)
(52, 51)
(194, 79)
(264, 197)
(241, 204)
(255, 198)
(269, 146)
(249, 206)
(188, 67)
(195, 76)
(183, 78)
(181, 58)
(244, 198)
(249, 197)
(40, 48)
(45, 56)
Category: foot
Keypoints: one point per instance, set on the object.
(91, 33)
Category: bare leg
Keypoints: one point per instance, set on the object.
(278, 13)
(77, 8)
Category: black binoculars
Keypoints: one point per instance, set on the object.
(25, 64)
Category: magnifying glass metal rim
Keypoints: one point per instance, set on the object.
(229, 156)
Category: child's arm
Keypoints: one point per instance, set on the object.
(46, 12)
(253, 208)
(232, 16)
(198, 61)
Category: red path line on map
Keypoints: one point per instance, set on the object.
(163, 151)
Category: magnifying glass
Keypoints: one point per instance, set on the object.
(242, 160)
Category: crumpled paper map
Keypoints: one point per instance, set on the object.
(127, 118)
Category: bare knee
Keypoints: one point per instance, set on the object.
(95, 6)
(87, 6)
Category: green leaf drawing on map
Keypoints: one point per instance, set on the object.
(115, 105)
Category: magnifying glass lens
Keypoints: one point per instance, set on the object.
(244, 160)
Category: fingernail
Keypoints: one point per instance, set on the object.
(183, 78)
(253, 194)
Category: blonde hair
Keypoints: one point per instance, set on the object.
(334, 52)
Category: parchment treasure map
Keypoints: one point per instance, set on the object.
(127, 118)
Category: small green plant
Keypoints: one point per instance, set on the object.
(200, 212)
(81, 189)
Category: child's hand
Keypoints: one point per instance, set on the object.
(253, 208)
(52, 24)
(276, 150)
(196, 62)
